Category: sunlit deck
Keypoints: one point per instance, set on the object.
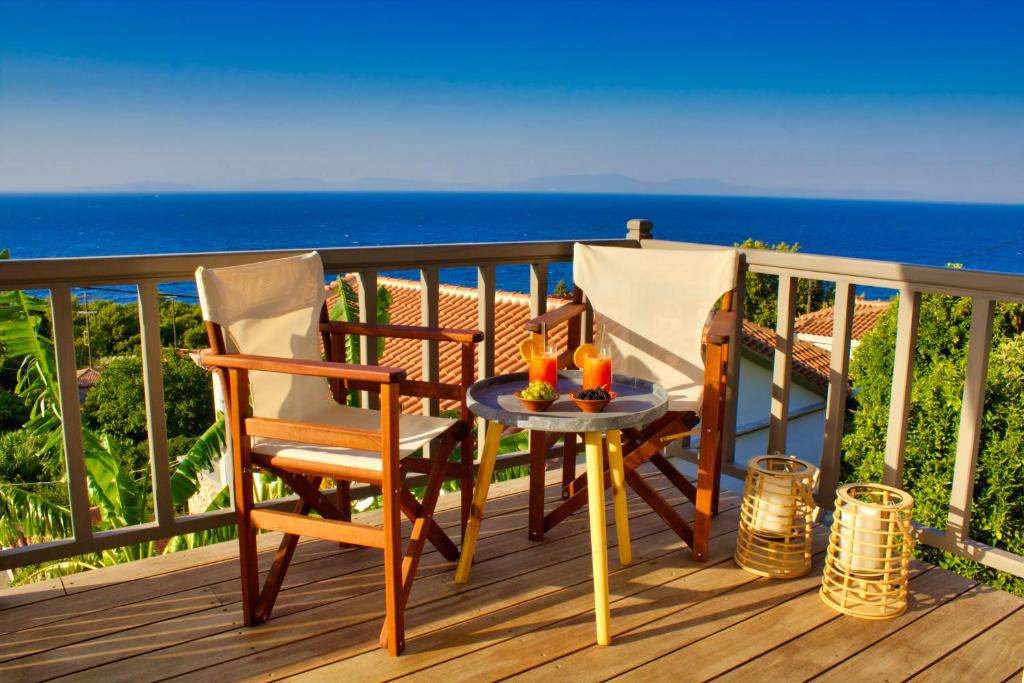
(527, 612)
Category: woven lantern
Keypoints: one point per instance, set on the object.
(774, 538)
(869, 548)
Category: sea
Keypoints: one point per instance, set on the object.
(979, 236)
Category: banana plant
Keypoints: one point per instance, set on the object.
(345, 308)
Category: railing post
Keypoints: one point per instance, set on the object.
(429, 316)
(485, 289)
(902, 381)
(368, 314)
(971, 413)
(639, 229)
(156, 417)
(835, 407)
(538, 289)
(71, 413)
(732, 369)
(782, 366)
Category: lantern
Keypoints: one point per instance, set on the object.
(868, 557)
(778, 511)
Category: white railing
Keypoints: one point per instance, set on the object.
(59, 276)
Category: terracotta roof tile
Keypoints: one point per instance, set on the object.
(866, 314)
(809, 361)
(457, 307)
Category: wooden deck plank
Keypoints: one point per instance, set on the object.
(920, 643)
(755, 634)
(511, 576)
(325, 572)
(527, 614)
(564, 622)
(30, 593)
(993, 655)
(827, 645)
(134, 582)
(660, 558)
(353, 599)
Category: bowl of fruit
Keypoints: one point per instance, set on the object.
(593, 400)
(537, 397)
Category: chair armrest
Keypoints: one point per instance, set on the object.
(721, 327)
(403, 331)
(295, 366)
(555, 316)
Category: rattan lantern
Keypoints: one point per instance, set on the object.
(774, 538)
(869, 548)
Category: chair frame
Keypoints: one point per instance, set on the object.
(304, 478)
(646, 444)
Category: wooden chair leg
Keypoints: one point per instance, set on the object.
(413, 510)
(391, 484)
(538, 449)
(275, 577)
(417, 539)
(466, 450)
(568, 464)
(344, 500)
(660, 507)
(247, 555)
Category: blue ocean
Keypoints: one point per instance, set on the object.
(987, 237)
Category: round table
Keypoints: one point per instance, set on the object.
(638, 402)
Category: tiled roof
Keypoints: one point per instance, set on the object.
(809, 361)
(457, 307)
(866, 314)
(87, 378)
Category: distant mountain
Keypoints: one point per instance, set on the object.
(611, 183)
(618, 183)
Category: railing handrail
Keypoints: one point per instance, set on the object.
(79, 271)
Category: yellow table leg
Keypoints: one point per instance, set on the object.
(618, 476)
(598, 543)
(476, 513)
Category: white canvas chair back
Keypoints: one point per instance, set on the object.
(272, 308)
(651, 306)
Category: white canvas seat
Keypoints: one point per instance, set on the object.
(414, 432)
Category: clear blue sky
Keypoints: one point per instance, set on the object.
(854, 98)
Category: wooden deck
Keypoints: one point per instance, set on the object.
(526, 613)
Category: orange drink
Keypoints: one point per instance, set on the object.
(597, 371)
(544, 368)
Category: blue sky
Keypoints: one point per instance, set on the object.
(922, 100)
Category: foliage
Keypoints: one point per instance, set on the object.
(760, 303)
(113, 328)
(13, 411)
(116, 404)
(561, 290)
(345, 308)
(936, 399)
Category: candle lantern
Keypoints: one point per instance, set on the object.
(868, 557)
(778, 510)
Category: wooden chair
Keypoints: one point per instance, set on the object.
(286, 416)
(651, 307)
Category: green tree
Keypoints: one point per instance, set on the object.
(760, 303)
(181, 325)
(13, 410)
(936, 399)
(561, 290)
(116, 404)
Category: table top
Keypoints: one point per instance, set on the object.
(638, 402)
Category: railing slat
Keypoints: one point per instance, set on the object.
(367, 280)
(732, 371)
(902, 381)
(971, 413)
(153, 385)
(71, 414)
(429, 316)
(485, 289)
(538, 289)
(782, 366)
(839, 368)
